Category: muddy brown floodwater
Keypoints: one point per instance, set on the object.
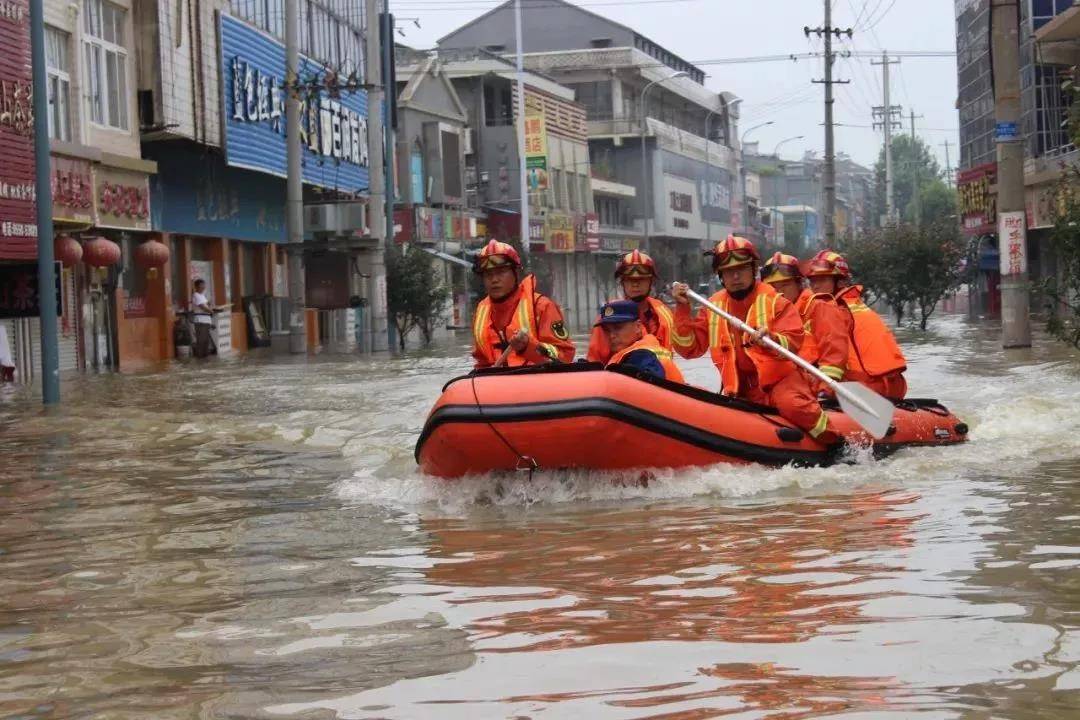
(251, 539)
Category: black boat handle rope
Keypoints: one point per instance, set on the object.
(524, 461)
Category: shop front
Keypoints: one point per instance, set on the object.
(979, 218)
(225, 226)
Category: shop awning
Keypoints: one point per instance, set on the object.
(1064, 27)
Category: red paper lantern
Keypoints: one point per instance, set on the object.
(67, 250)
(152, 254)
(100, 252)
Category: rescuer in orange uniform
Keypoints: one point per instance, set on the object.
(748, 370)
(636, 272)
(631, 345)
(825, 324)
(874, 357)
(515, 316)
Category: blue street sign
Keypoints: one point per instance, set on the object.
(1005, 132)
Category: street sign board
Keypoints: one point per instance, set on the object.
(1006, 132)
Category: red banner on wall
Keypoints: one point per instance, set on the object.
(978, 207)
(18, 228)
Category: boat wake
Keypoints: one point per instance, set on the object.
(1016, 424)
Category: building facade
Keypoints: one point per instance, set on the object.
(1049, 30)
(560, 195)
(99, 183)
(685, 195)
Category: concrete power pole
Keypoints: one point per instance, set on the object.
(1012, 224)
(917, 179)
(886, 112)
(948, 165)
(827, 31)
(294, 189)
(373, 271)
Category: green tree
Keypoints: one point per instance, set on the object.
(938, 202)
(1063, 291)
(415, 293)
(913, 163)
(904, 265)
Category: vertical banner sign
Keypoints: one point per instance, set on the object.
(978, 207)
(592, 231)
(18, 224)
(559, 233)
(1012, 240)
(536, 167)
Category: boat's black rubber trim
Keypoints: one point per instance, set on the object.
(682, 389)
(615, 410)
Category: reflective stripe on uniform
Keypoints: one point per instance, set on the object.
(836, 373)
(820, 426)
(480, 323)
(665, 316)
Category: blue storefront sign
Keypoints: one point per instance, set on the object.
(196, 193)
(1006, 132)
(333, 130)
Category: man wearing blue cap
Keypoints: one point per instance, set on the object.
(631, 345)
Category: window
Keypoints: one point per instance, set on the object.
(600, 42)
(498, 101)
(106, 63)
(58, 83)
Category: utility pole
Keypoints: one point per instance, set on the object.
(887, 112)
(916, 180)
(827, 31)
(948, 165)
(294, 189)
(1012, 225)
(523, 177)
(50, 344)
(376, 215)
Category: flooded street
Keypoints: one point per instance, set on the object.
(250, 538)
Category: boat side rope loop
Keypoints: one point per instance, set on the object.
(524, 462)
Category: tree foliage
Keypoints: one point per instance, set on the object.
(415, 293)
(913, 164)
(903, 265)
(1063, 292)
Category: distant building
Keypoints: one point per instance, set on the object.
(561, 200)
(800, 183)
(689, 195)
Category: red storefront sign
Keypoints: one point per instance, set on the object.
(72, 190)
(18, 228)
(405, 225)
(978, 207)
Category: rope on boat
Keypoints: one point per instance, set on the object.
(524, 461)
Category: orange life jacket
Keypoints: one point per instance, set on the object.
(665, 356)
(488, 339)
(600, 351)
(809, 350)
(723, 339)
(874, 351)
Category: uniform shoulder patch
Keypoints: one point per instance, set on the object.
(558, 329)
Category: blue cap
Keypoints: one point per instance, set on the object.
(618, 311)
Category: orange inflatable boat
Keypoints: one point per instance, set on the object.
(583, 416)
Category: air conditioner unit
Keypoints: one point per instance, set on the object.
(335, 218)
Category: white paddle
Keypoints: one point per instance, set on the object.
(871, 411)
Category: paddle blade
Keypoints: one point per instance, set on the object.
(873, 412)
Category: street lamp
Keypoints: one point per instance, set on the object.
(776, 150)
(644, 173)
(742, 159)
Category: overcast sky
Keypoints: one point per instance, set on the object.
(701, 30)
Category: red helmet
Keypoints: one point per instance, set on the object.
(781, 267)
(496, 254)
(828, 262)
(733, 252)
(635, 264)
